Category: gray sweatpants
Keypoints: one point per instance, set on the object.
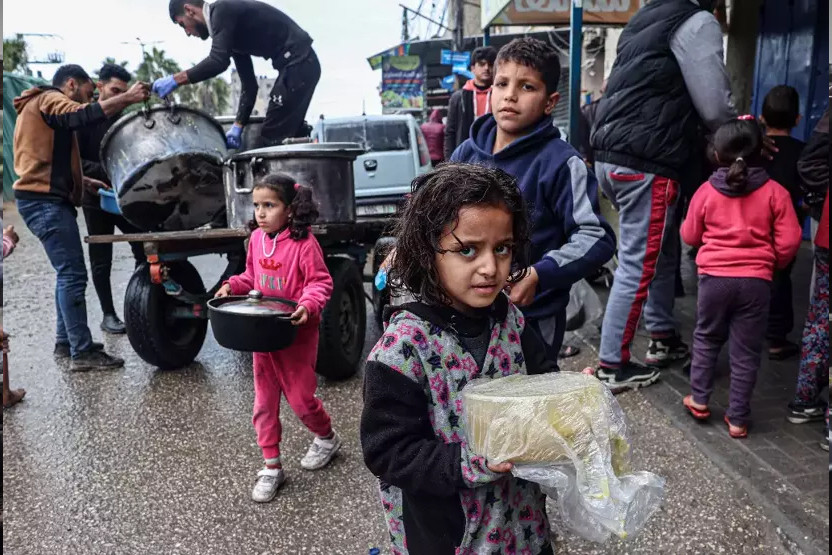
(647, 253)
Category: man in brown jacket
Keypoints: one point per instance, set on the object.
(46, 157)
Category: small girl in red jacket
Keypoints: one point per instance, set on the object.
(744, 225)
(286, 261)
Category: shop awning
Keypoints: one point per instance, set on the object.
(556, 12)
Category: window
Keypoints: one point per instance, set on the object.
(375, 136)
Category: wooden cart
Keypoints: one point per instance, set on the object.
(165, 305)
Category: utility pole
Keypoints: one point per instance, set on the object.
(576, 21)
(459, 28)
(405, 31)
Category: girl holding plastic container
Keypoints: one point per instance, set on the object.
(461, 238)
(286, 261)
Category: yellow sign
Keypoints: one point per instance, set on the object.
(557, 12)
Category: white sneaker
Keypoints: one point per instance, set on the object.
(320, 452)
(268, 482)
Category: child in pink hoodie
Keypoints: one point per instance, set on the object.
(286, 261)
(744, 225)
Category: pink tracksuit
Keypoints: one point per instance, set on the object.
(293, 270)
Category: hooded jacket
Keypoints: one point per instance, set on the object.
(742, 234)
(570, 238)
(438, 496)
(465, 105)
(434, 132)
(813, 168)
(46, 155)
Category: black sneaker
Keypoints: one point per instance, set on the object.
(801, 414)
(662, 352)
(62, 349)
(111, 324)
(630, 376)
(95, 360)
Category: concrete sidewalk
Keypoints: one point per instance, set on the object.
(780, 465)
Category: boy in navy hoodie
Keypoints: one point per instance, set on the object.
(570, 238)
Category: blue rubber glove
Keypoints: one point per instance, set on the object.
(164, 86)
(233, 139)
(381, 279)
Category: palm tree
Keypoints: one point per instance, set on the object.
(211, 96)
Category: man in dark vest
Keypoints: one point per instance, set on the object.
(240, 29)
(668, 83)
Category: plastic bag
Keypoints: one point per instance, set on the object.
(566, 432)
(584, 305)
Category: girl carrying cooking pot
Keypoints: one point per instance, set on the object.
(285, 260)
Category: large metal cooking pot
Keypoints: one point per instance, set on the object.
(251, 131)
(165, 164)
(325, 167)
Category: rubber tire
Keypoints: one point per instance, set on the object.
(145, 306)
(337, 360)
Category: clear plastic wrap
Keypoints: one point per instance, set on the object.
(566, 432)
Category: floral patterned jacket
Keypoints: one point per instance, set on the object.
(439, 497)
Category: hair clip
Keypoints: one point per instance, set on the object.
(746, 117)
(297, 186)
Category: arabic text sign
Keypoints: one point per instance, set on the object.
(402, 82)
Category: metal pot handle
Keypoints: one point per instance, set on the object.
(250, 177)
(172, 116)
(148, 122)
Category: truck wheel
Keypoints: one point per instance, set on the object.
(155, 333)
(343, 322)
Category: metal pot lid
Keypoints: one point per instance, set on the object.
(304, 150)
(255, 305)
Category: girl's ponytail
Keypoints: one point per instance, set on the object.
(737, 178)
(303, 212)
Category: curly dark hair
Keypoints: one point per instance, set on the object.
(303, 212)
(535, 54)
(434, 204)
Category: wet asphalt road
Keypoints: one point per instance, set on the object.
(144, 461)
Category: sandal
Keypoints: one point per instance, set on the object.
(784, 350)
(736, 432)
(568, 351)
(699, 414)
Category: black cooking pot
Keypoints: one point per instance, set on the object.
(252, 323)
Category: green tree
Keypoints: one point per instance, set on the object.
(211, 96)
(14, 55)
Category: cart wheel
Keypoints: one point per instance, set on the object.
(155, 334)
(343, 322)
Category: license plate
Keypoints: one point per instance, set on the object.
(375, 209)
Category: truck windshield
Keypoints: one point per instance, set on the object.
(375, 136)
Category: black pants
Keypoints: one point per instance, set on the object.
(781, 310)
(100, 222)
(289, 100)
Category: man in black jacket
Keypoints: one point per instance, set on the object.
(471, 101)
(240, 29)
(112, 80)
(668, 82)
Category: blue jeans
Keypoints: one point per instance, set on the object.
(56, 226)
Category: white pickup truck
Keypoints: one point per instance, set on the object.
(396, 152)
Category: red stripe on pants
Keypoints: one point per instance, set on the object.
(664, 192)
